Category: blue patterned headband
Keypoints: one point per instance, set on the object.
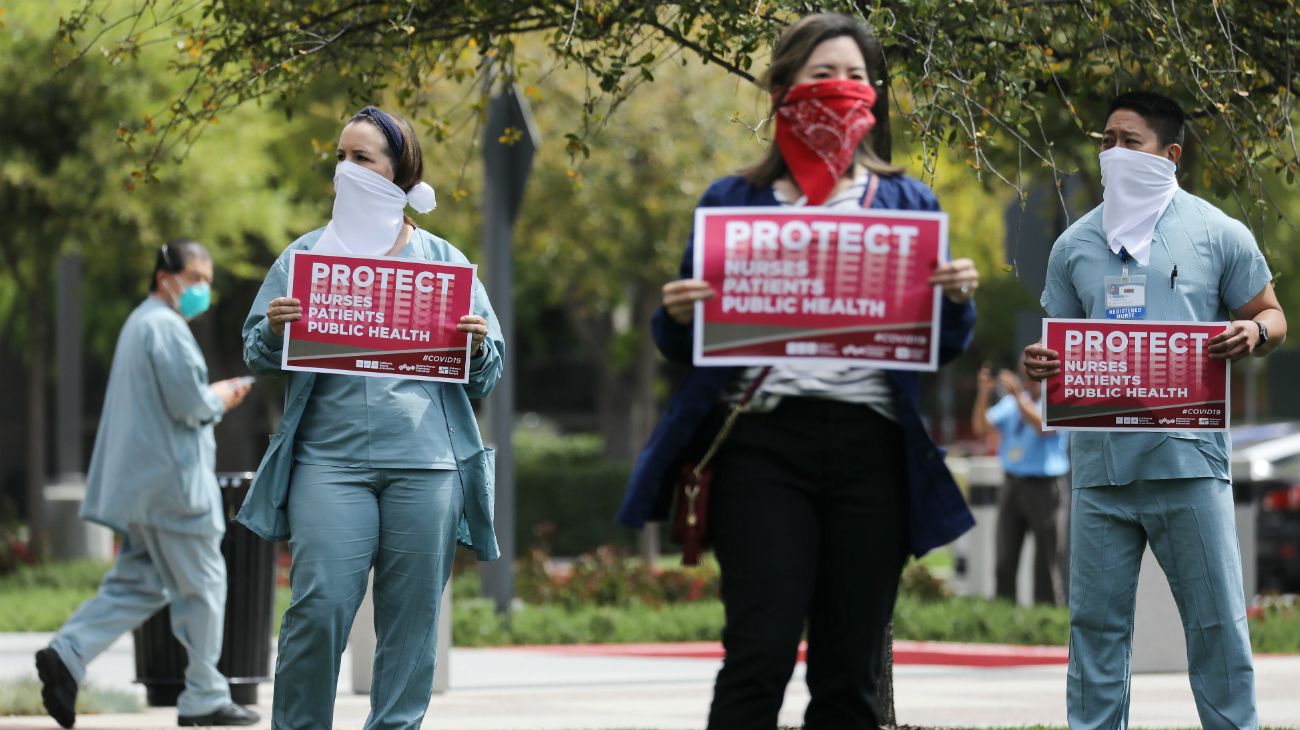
(392, 133)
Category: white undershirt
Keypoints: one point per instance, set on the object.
(847, 383)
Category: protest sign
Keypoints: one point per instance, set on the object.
(819, 286)
(379, 316)
(1134, 376)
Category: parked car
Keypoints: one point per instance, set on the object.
(1266, 471)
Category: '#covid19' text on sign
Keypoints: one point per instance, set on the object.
(1135, 376)
(814, 285)
(379, 316)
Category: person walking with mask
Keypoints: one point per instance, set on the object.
(830, 480)
(152, 481)
(370, 472)
(1033, 463)
(1188, 262)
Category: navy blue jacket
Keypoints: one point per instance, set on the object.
(938, 511)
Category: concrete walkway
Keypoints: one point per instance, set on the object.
(528, 689)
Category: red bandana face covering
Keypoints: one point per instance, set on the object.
(818, 127)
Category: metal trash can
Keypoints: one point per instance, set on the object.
(974, 552)
(250, 608)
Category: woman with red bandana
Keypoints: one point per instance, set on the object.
(828, 480)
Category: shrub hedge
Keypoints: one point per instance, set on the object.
(567, 493)
(605, 596)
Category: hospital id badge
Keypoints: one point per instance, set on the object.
(1126, 297)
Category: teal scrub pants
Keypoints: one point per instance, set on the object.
(156, 568)
(1190, 525)
(343, 521)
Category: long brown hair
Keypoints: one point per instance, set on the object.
(791, 53)
(408, 169)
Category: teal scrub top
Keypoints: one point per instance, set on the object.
(362, 421)
(1220, 268)
(1023, 449)
(154, 456)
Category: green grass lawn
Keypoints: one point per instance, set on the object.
(938, 560)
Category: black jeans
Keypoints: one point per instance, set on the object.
(1028, 504)
(810, 515)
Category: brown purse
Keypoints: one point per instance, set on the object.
(691, 517)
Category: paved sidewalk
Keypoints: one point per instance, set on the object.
(528, 689)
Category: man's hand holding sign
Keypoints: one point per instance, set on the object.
(1135, 376)
(1247, 335)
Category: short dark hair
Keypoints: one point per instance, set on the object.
(174, 255)
(408, 167)
(1160, 112)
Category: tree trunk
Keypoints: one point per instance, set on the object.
(38, 346)
(645, 411)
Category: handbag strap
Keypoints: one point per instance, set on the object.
(727, 425)
(873, 182)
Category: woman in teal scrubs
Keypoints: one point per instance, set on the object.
(369, 472)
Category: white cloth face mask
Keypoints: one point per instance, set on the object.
(368, 211)
(1138, 187)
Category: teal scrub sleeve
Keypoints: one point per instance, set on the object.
(263, 349)
(1245, 271)
(1059, 299)
(182, 377)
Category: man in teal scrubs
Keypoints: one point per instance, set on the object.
(1187, 261)
(152, 481)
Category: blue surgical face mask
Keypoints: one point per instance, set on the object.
(194, 301)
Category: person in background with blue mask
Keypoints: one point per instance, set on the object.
(152, 481)
(1180, 259)
(1033, 463)
(370, 473)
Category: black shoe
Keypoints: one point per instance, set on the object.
(231, 714)
(58, 688)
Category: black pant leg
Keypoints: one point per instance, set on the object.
(863, 516)
(1012, 527)
(1042, 501)
(765, 538)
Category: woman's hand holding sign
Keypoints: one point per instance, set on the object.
(680, 298)
(476, 326)
(281, 310)
(959, 279)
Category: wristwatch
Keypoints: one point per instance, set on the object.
(1263, 333)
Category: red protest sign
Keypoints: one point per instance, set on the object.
(379, 316)
(1135, 376)
(815, 285)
